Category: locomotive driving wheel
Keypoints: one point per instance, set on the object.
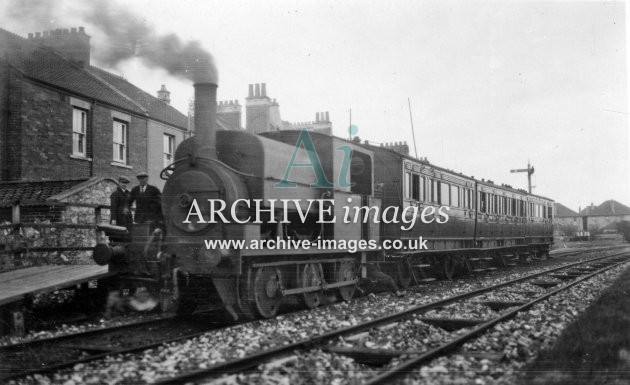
(346, 272)
(267, 291)
(311, 277)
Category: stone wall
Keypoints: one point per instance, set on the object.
(43, 233)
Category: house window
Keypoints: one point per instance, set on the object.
(169, 145)
(120, 141)
(79, 124)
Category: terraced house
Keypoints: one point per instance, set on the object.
(63, 118)
(67, 131)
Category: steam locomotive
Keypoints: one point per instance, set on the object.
(486, 225)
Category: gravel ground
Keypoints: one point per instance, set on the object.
(496, 357)
(237, 341)
(408, 335)
(66, 329)
(493, 358)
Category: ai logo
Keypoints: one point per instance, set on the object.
(305, 141)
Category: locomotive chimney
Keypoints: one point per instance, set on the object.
(205, 119)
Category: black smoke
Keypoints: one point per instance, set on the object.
(120, 35)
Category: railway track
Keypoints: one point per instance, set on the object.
(45, 355)
(576, 272)
(56, 353)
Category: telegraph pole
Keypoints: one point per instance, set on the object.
(529, 170)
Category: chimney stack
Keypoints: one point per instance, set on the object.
(164, 95)
(70, 43)
(205, 119)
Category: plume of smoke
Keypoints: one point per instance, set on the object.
(130, 36)
(120, 35)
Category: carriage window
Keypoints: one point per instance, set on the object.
(483, 203)
(422, 188)
(415, 187)
(470, 202)
(407, 185)
(445, 198)
(455, 196)
(436, 192)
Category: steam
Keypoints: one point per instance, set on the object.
(123, 36)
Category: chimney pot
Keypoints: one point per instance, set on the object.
(251, 91)
(257, 90)
(46, 33)
(164, 95)
(38, 35)
(81, 29)
(317, 116)
(327, 117)
(66, 31)
(263, 90)
(73, 30)
(30, 35)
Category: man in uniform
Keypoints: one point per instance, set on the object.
(119, 210)
(147, 199)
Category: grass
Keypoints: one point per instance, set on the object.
(595, 348)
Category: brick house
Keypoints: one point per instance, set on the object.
(65, 119)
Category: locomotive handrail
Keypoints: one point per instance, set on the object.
(164, 173)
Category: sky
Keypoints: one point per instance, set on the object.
(492, 85)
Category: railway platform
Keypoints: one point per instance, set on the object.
(17, 285)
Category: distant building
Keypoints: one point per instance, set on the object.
(596, 218)
(66, 120)
(593, 219)
(262, 114)
(321, 124)
(566, 221)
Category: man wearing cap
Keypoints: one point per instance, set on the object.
(148, 200)
(120, 214)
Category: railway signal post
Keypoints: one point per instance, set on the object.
(529, 170)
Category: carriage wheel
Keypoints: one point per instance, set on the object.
(403, 270)
(499, 260)
(346, 272)
(311, 277)
(267, 291)
(448, 267)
